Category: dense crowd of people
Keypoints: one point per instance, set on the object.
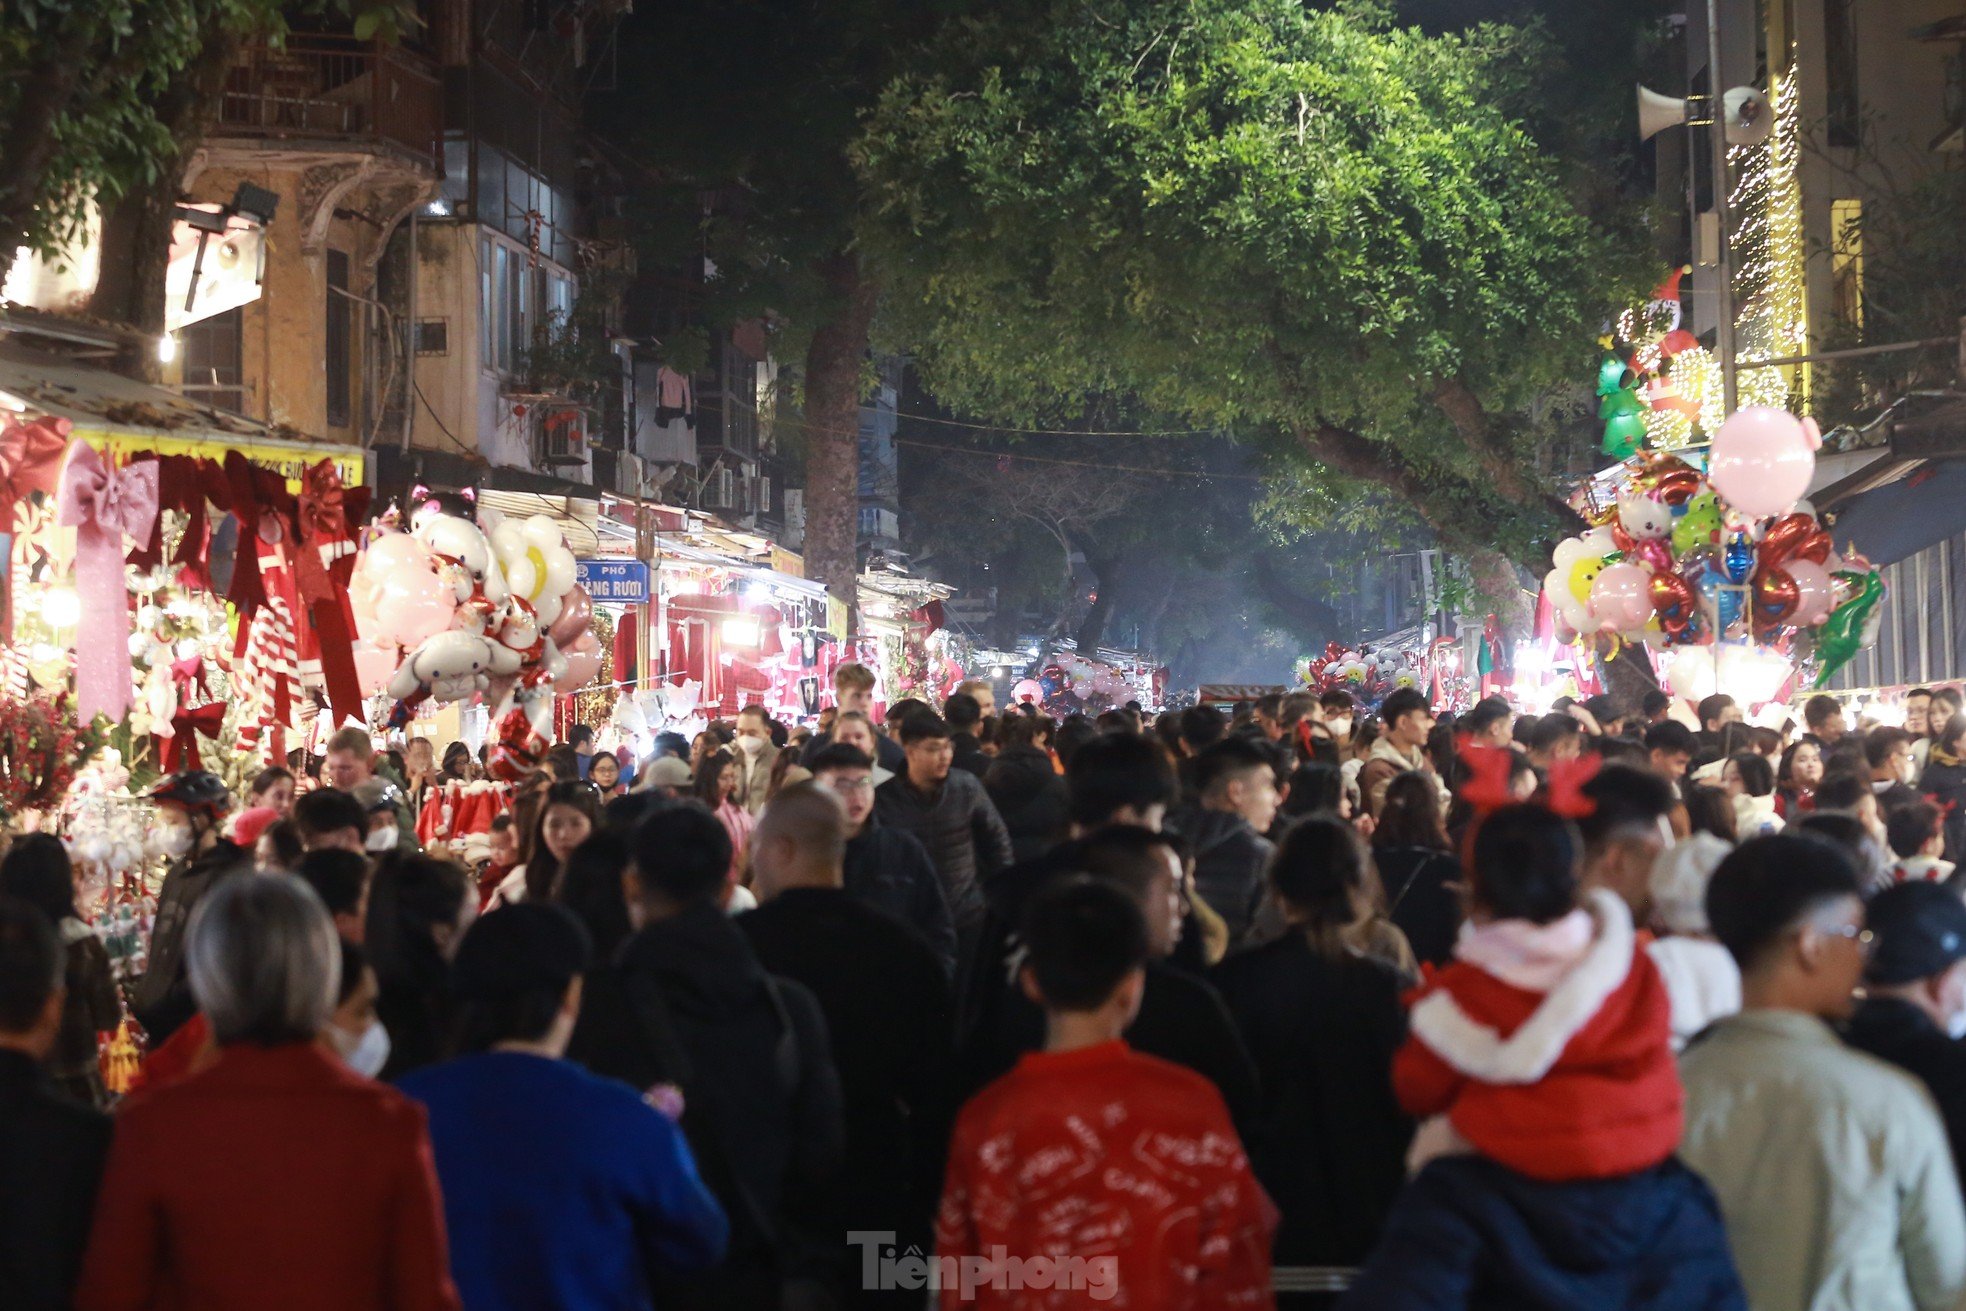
(1592, 1009)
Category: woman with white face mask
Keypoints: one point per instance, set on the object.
(353, 1031)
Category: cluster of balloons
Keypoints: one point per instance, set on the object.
(447, 612)
(1367, 675)
(1074, 684)
(1687, 558)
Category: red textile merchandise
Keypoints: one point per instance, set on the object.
(1570, 1084)
(276, 1178)
(1125, 1162)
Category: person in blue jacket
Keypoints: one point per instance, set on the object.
(562, 1190)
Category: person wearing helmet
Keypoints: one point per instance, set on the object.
(191, 809)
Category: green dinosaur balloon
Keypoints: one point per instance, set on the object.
(1699, 526)
(1850, 627)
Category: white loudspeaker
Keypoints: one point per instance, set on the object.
(1656, 113)
(1746, 113)
(1748, 116)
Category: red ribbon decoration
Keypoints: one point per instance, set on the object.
(323, 586)
(30, 461)
(191, 485)
(180, 751)
(256, 493)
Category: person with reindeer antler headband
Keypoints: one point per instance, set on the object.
(1540, 1064)
(1545, 1045)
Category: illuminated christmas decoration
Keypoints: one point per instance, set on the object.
(1769, 253)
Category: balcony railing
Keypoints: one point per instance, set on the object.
(335, 89)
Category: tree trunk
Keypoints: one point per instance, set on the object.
(136, 230)
(136, 244)
(1092, 628)
(1455, 399)
(833, 373)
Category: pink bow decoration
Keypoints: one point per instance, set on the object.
(102, 505)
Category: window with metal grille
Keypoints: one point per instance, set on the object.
(212, 350)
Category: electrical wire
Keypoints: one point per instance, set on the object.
(432, 411)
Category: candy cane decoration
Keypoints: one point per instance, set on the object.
(272, 670)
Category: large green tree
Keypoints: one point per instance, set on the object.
(1319, 229)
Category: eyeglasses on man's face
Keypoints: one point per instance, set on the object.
(1856, 933)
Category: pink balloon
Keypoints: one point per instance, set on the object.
(576, 613)
(413, 605)
(393, 551)
(1761, 461)
(1621, 599)
(582, 666)
(1816, 595)
(373, 666)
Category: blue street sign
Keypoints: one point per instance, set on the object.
(620, 581)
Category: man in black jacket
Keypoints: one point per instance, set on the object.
(1182, 1019)
(952, 815)
(1238, 786)
(888, 1012)
(885, 868)
(687, 1011)
(965, 713)
(51, 1149)
(1915, 993)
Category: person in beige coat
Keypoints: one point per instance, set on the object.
(755, 756)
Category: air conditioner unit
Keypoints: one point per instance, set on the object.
(720, 489)
(561, 434)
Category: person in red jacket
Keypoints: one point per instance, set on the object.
(1546, 1045)
(1090, 1172)
(277, 1176)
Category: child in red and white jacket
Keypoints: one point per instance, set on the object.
(1918, 840)
(1546, 1045)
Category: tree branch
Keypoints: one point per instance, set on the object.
(1454, 398)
